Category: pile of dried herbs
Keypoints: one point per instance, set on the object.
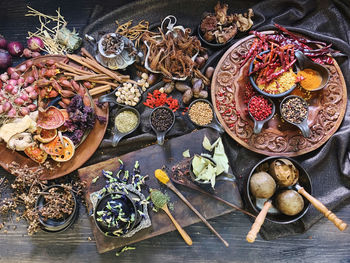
(24, 191)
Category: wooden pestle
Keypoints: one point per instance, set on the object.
(251, 236)
(340, 224)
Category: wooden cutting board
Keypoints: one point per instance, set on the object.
(150, 159)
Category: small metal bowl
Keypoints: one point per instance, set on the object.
(161, 134)
(255, 86)
(276, 216)
(215, 124)
(117, 135)
(303, 126)
(258, 125)
(56, 225)
(128, 206)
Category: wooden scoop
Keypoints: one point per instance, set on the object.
(163, 178)
(182, 232)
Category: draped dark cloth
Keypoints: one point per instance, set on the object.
(327, 21)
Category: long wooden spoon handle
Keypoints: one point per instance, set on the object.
(340, 224)
(251, 236)
(173, 188)
(182, 232)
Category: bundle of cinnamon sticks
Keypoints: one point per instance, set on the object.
(93, 72)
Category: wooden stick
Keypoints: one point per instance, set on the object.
(340, 224)
(173, 188)
(105, 82)
(81, 62)
(251, 236)
(72, 69)
(92, 76)
(86, 53)
(99, 90)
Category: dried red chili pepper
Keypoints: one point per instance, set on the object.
(158, 99)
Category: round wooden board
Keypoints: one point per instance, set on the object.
(85, 150)
(327, 108)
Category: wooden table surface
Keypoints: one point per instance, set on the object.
(322, 243)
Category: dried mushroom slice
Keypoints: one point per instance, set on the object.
(36, 154)
(55, 147)
(67, 151)
(51, 118)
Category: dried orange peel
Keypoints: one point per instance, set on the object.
(45, 136)
(67, 153)
(55, 147)
(36, 154)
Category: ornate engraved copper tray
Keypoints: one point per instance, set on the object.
(228, 88)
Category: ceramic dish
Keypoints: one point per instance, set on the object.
(57, 225)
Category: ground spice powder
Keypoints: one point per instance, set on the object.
(126, 121)
(311, 79)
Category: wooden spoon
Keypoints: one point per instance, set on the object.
(182, 232)
(164, 178)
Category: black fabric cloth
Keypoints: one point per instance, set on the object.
(328, 21)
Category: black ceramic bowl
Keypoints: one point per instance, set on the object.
(112, 98)
(204, 184)
(57, 225)
(304, 181)
(255, 86)
(128, 206)
(213, 45)
(161, 134)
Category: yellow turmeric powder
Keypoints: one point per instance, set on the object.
(311, 79)
(161, 176)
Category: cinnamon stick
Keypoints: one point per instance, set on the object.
(99, 90)
(92, 76)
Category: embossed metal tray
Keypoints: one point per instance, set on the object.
(228, 87)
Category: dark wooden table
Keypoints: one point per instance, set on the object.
(322, 243)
